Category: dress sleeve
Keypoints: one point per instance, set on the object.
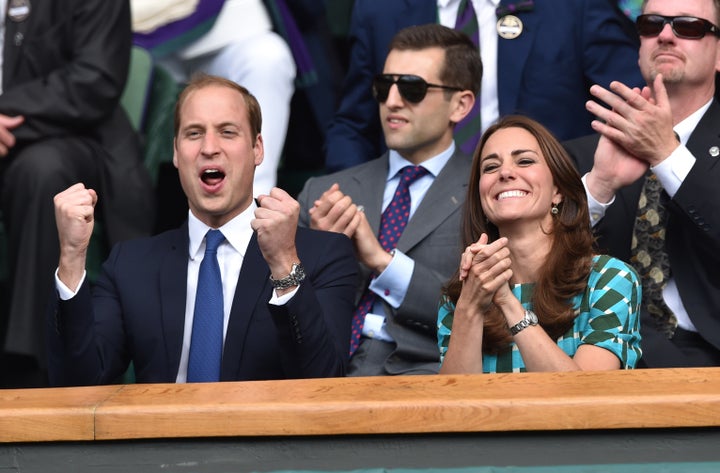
(614, 304)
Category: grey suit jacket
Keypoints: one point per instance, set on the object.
(431, 238)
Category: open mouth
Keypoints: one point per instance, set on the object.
(212, 177)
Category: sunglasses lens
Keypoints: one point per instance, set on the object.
(683, 26)
(650, 25)
(381, 87)
(693, 28)
(412, 88)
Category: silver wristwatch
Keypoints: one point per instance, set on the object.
(296, 276)
(529, 319)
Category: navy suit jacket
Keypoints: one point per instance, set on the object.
(565, 47)
(136, 312)
(692, 237)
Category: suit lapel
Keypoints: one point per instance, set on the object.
(370, 187)
(445, 196)
(173, 295)
(704, 142)
(251, 283)
(511, 58)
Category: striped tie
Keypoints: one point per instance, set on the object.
(469, 130)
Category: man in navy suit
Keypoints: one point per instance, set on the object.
(287, 292)
(562, 48)
(668, 131)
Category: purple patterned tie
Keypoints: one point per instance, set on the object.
(469, 130)
(392, 224)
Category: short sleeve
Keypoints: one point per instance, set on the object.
(614, 303)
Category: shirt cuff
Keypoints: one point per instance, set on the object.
(672, 171)
(392, 284)
(65, 292)
(597, 209)
(282, 300)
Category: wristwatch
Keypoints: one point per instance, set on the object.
(296, 276)
(529, 319)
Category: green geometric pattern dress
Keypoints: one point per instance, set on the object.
(607, 316)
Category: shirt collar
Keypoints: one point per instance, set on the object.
(434, 165)
(237, 231)
(445, 3)
(685, 128)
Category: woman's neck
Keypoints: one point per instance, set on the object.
(528, 251)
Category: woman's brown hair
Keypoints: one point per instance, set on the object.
(565, 273)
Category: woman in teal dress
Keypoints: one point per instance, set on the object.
(530, 294)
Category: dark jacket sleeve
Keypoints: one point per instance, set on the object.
(314, 326)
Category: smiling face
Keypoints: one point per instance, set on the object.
(419, 131)
(691, 62)
(516, 184)
(216, 153)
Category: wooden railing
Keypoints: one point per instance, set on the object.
(381, 405)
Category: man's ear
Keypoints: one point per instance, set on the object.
(175, 158)
(463, 103)
(259, 149)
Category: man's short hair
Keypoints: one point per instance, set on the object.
(202, 80)
(462, 67)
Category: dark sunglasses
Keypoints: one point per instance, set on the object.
(412, 88)
(688, 27)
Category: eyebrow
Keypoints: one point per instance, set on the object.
(514, 152)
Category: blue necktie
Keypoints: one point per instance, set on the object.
(468, 131)
(392, 223)
(207, 332)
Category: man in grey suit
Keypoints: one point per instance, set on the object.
(431, 77)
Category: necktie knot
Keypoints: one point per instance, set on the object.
(213, 238)
(410, 174)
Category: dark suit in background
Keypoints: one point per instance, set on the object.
(545, 73)
(692, 237)
(137, 313)
(431, 239)
(65, 66)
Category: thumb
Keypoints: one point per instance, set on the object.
(660, 92)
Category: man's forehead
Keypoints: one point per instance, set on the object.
(423, 62)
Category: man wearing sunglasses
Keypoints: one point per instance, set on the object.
(669, 133)
(431, 77)
(539, 65)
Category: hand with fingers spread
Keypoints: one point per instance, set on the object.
(335, 211)
(275, 223)
(74, 217)
(638, 121)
